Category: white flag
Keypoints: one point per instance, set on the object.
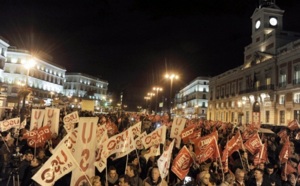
(177, 127)
(69, 121)
(85, 150)
(52, 119)
(10, 123)
(59, 164)
(37, 117)
(152, 151)
(164, 160)
(156, 137)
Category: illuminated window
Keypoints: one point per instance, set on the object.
(297, 98)
(267, 116)
(281, 99)
(282, 117)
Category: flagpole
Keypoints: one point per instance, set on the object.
(106, 180)
(223, 177)
(126, 163)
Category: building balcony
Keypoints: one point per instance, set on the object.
(296, 81)
(282, 84)
(256, 89)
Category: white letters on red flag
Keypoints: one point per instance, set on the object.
(207, 147)
(156, 137)
(10, 123)
(293, 125)
(38, 138)
(69, 121)
(187, 132)
(225, 158)
(253, 144)
(261, 156)
(85, 150)
(182, 163)
(177, 127)
(235, 143)
(58, 165)
(285, 152)
(164, 160)
(52, 119)
(37, 117)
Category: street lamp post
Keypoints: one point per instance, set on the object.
(150, 94)
(171, 77)
(27, 65)
(157, 89)
(147, 98)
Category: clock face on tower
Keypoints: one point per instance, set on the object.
(273, 21)
(257, 24)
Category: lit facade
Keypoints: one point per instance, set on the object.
(44, 78)
(266, 88)
(192, 100)
(87, 87)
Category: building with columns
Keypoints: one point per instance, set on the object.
(266, 88)
(192, 100)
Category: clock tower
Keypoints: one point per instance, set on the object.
(266, 24)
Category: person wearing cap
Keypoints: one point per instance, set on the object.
(272, 175)
(259, 179)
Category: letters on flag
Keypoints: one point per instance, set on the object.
(85, 150)
(37, 117)
(235, 143)
(253, 144)
(182, 163)
(52, 119)
(5, 125)
(154, 138)
(187, 132)
(38, 138)
(206, 147)
(136, 129)
(261, 156)
(177, 127)
(138, 141)
(152, 151)
(164, 160)
(58, 165)
(69, 121)
(285, 152)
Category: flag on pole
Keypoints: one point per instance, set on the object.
(285, 152)
(253, 144)
(70, 120)
(154, 138)
(177, 127)
(37, 117)
(59, 164)
(182, 163)
(5, 125)
(164, 160)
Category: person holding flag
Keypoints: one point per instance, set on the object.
(154, 178)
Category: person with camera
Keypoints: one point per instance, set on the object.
(35, 165)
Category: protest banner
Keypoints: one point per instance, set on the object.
(156, 137)
(164, 160)
(37, 117)
(182, 163)
(177, 127)
(70, 120)
(5, 125)
(52, 119)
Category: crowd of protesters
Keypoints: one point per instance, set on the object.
(18, 160)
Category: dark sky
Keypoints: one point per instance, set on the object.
(132, 43)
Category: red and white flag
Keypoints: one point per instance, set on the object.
(207, 147)
(225, 158)
(187, 133)
(152, 151)
(154, 138)
(293, 125)
(182, 163)
(38, 138)
(85, 150)
(5, 125)
(235, 143)
(262, 155)
(59, 164)
(70, 120)
(52, 119)
(285, 152)
(164, 160)
(37, 117)
(253, 144)
(177, 127)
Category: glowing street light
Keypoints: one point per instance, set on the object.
(157, 89)
(171, 77)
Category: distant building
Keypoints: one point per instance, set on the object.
(83, 86)
(192, 100)
(266, 88)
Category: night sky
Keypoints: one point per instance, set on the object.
(132, 43)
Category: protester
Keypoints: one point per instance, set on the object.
(124, 180)
(132, 173)
(204, 179)
(95, 181)
(25, 163)
(35, 165)
(259, 179)
(154, 178)
(112, 177)
(239, 177)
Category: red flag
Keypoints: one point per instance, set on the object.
(293, 125)
(248, 133)
(38, 138)
(253, 144)
(182, 163)
(225, 159)
(285, 152)
(287, 169)
(262, 155)
(235, 143)
(206, 147)
(189, 133)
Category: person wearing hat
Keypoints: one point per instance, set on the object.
(272, 175)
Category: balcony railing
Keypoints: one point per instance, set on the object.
(296, 81)
(282, 84)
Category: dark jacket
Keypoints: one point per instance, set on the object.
(252, 182)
